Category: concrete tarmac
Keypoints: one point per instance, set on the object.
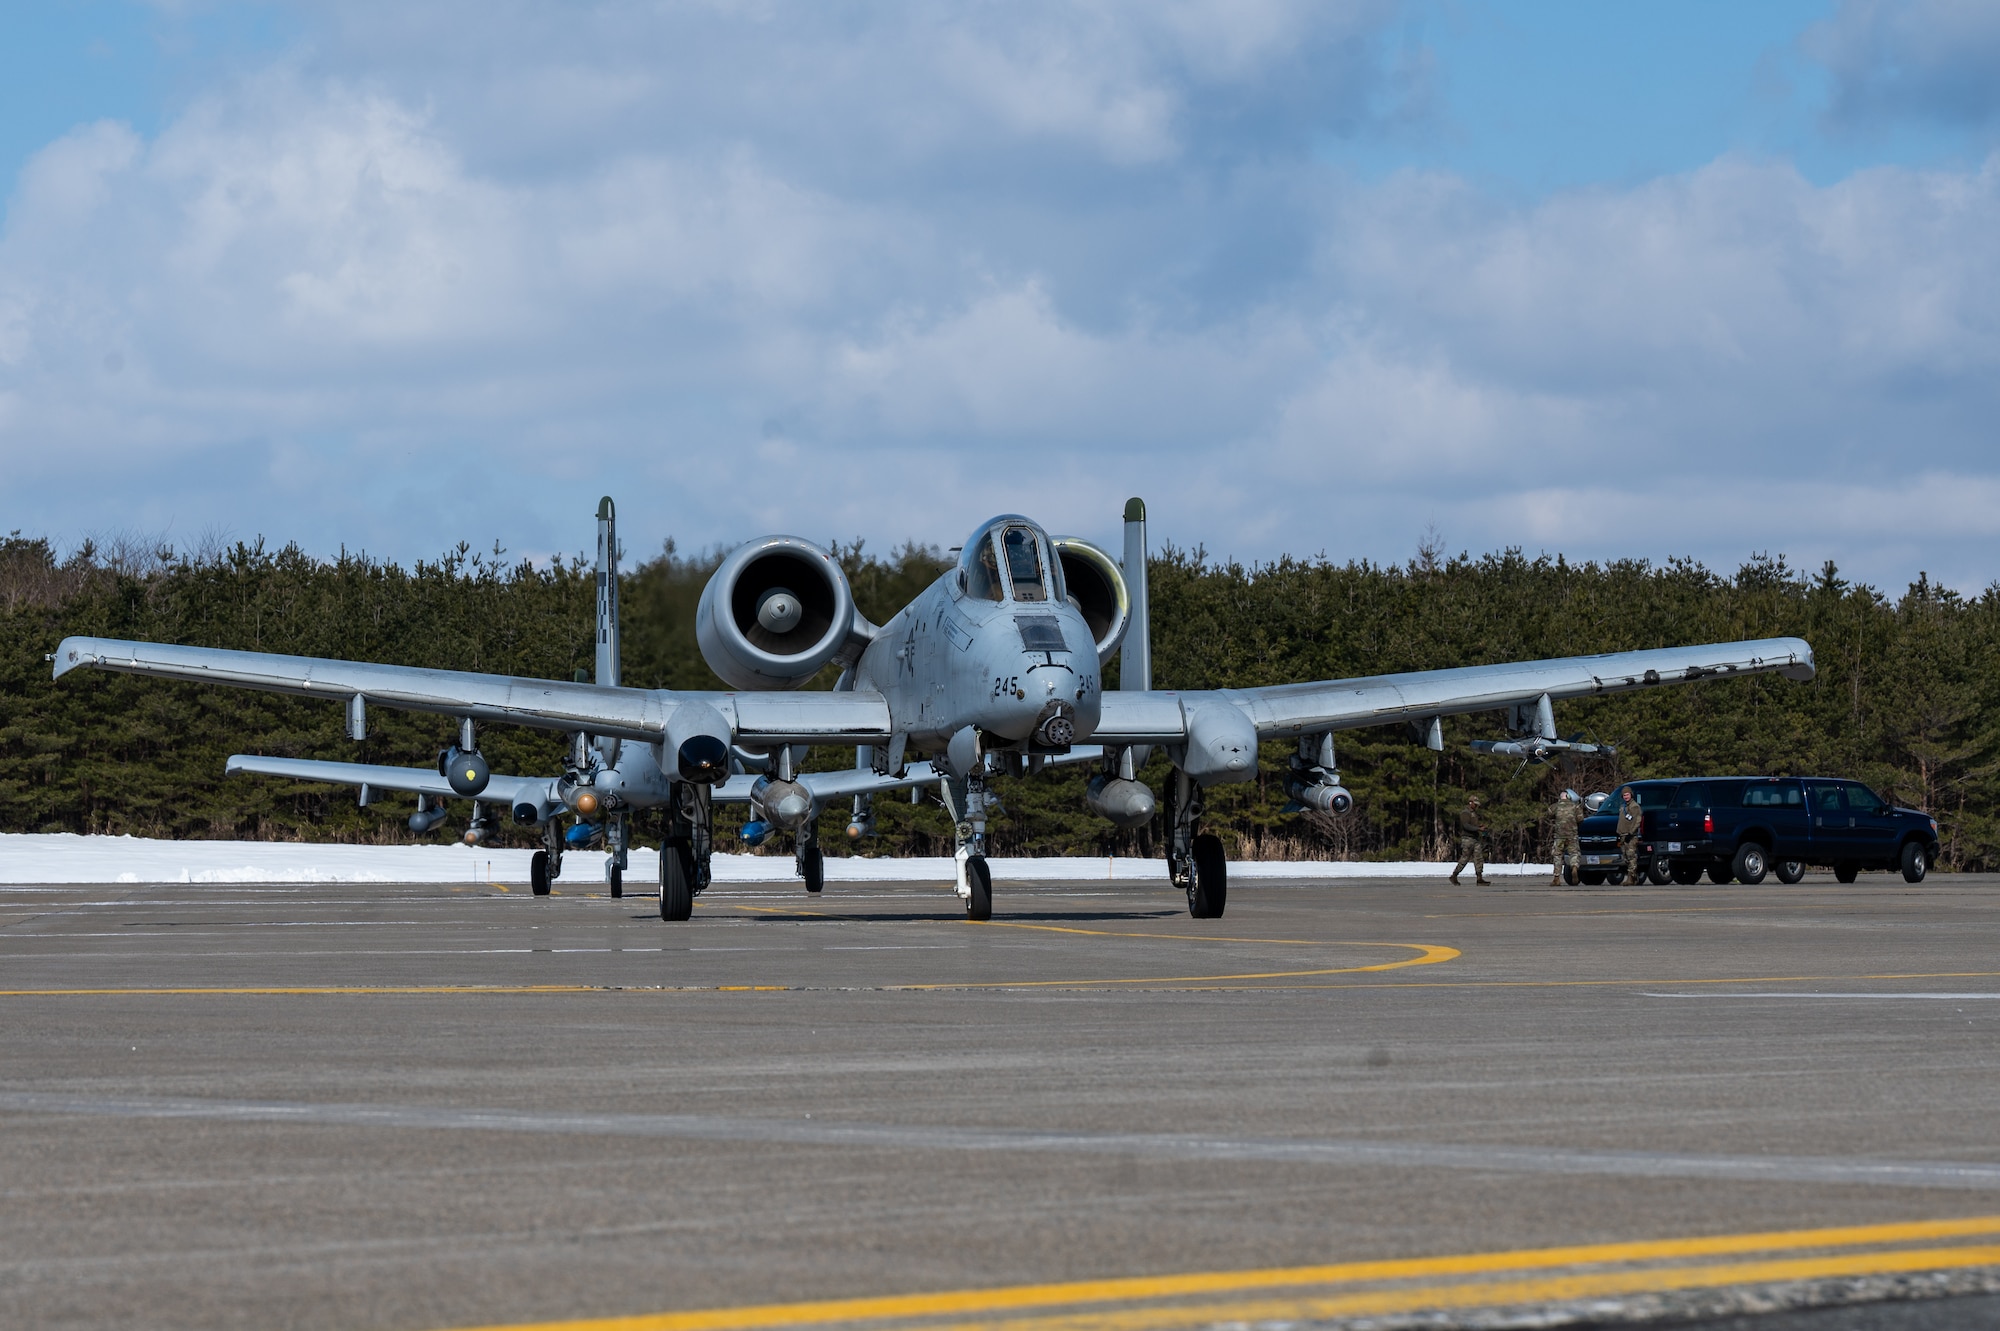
(368, 1106)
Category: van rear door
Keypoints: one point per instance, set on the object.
(1779, 805)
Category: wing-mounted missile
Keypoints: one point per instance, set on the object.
(1097, 585)
(1314, 780)
(775, 613)
(1533, 727)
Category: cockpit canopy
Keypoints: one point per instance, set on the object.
(1010, 559)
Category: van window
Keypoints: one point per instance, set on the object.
(1774, 795)
(1648, 797)
(1860, 799)
(1826, 799)
(1693, 795)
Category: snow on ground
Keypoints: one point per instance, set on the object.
(44, 858)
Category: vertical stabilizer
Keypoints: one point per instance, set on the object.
(1135, 658)
(607, 592)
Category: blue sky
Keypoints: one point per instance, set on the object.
(1311, 278)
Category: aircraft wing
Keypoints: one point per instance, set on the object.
(827, 787)
(1283, 710)
(506, 791)
(635, 714)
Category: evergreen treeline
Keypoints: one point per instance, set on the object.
(1905, 697)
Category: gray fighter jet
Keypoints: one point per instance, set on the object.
(604, 781)
(998, 665)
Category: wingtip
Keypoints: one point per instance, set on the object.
(69, 654)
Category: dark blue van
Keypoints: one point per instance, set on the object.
(1736, 828)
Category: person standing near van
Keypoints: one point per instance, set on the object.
(1631, 817)
(1471, 842)
(1567, 854)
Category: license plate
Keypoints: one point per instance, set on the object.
(1598, 859)
(1673, 845)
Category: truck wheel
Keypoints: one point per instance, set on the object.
(1687, 875)
(1916, 863)
(1659, 873)
(1591, 877)
(1847, 872)
(1721, 873)
(1752, 863)
(1789, 871)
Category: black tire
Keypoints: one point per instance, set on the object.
(812, 868)
(538, 873)
(979, 903)
(1752, 862)
(1720, 874)
(1788, 871)
(1687, 875)
(1591, 877)
(676, 880)
(1569, 874)
(1846, 873)
(1659, 873)
(1916, 862)
(615, 880)
(1208, 890)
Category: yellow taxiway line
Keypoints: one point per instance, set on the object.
(1540, 1275)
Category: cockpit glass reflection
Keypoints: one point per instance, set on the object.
(1024, 564)
(982, 573)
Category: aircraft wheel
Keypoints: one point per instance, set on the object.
(1752, 863)
(676, 880)
(614, 877)
(1789, 871)
(1208, 890)
(812, 867)
(979, 905)
(1916, 863)
(538, 874)
(1720, 874)
(1687, 875)
(1846, 873)
(1659, 873)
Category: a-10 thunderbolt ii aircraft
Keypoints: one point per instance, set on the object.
(604, 781)
(996, 666)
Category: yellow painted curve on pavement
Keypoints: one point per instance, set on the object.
(1541, 1275)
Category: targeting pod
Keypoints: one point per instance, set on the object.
(467, 772)
(1127, 804)
(786, 804)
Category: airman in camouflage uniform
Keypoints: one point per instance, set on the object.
(1630, 817)
(1568, 851)
(1471, 842)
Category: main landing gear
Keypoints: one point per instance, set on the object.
(965, 800)
(684, 855)
(546, 866)
(808, 860)
(1195, 860)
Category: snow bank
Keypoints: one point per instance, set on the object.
(43, 858)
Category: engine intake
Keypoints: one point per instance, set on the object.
(776, 612)
(1097, 585)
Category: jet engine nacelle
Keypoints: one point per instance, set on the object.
(1097, 585)
(775, 612)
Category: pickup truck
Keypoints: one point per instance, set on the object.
(1741, 828)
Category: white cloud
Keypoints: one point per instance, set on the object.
(855, 273)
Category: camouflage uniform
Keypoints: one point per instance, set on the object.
(1629, 822)
(1471, 844)
(1568, 852)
